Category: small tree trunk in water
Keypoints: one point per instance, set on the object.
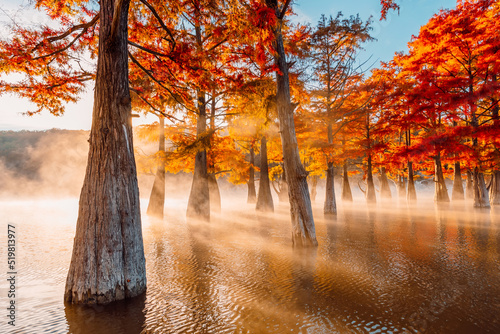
(495, 189)
(314, 185)
(108, 261)
(385, 189)
(213, 188)
(411, 196)
(199, 197)
(252, 195)
(303, 229)
(283, 194)
(441, 193)
(469, 187)
(458, 187)
(346, 187)
(401, 187)
(370, 186)
(481, 198)
(157, 198)
(264, 198)
(330, 207)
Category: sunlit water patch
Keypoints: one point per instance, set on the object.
(386, 269)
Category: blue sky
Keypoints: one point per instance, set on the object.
(392, 35)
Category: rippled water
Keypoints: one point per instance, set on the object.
(378, 270)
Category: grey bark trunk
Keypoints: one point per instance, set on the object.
(213, 188)
(264, 198)
(314, 187)
(157, 197)
(346, 187)
(458, 187)
(440, 190)
(481, 198)
(411, 196)
(495, 189)
(330, 207)
(469, 187)
(371, 197)
(108, 261)
(252, 195)
(303, 229)
(385, 189)
(199, 197)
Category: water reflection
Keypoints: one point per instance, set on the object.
(379, 269)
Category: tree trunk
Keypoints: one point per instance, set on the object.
(264, 198)
(303, 229)
(314, 187)
(346, 187)
(157, 198)
(458, 187)
(401, 187)
(330, 207)
(199, 197)
(469, 187)
(252, 195)
(214, 193)
(370, 186)
(411, 196)
(481, 198)
(283, 194)
(385, 189)
(108, 261)
(441, 193)
(495, 189)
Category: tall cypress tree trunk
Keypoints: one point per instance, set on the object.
(314, 187)
(411, 196)
(371, 197)
(283, 194)
(495, 189)
(346, 187)
(252, 195)
(108, 261)
(199, 197)
(385, 189)
(330, 207)
(401, 187)
(469, 187)
(303, 229)
(157, 198)
(214, 193)
(264, 198)
(441, 193)
(458, 187)
(481, 198)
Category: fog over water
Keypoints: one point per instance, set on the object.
(381, 269)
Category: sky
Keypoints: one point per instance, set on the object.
(392, 35)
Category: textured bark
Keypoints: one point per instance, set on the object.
(481, 197)
(458, 187)
(385, 189)
(469, 186)
(314, 187)
(411, 195)
(108, 261)
(264, 198)
(252, 195)
(440, 192)
(213, 188)
(303, 229)
(330, 207)
(157, 197)
(495, 189)
(199, 197)
(371, 197)
(346, 187)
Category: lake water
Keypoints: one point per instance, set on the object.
(379, 270)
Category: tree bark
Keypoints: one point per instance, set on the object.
(108, 261)
(314, 187)
(264, 198)
(441, 192)
(346, 187)
(469, 187)
(458, 187)
(481, 198)
(199, 197)
(157, 197)
(252, 195)
(283, 194)
(330, 207)
(401, 187)
(495, 189)
(303, 229)
(385, 189)
(371, 197)
(214, 193)
(411, 196)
